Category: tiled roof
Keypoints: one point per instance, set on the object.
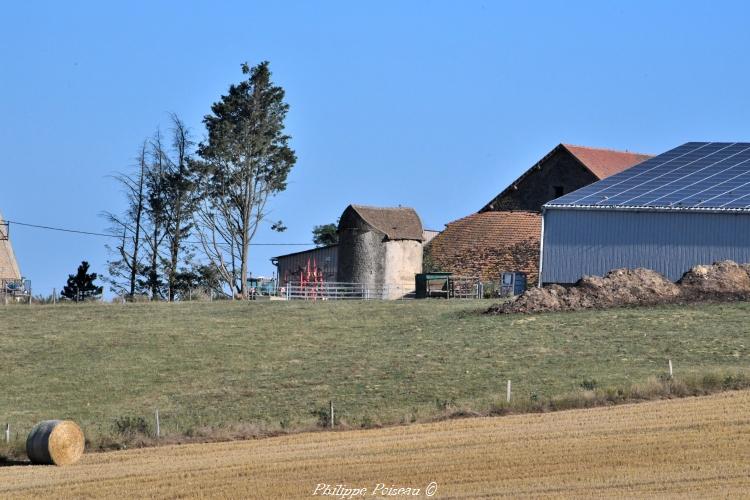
(397, 223)
(605, 162)
(477, 245)
(600, 162)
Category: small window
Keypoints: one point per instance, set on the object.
(559, 191)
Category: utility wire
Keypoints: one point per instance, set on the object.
(64, 230)
(105, 235)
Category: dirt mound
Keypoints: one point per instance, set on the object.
(634, 287)
(725, 277)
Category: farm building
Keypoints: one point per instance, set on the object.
(291, 267)
(688, 206)
(504, 234)
(380, 248)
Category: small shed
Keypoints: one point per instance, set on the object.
(291, 267)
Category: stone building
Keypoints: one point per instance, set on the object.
(380, 248)
(504, 235)
(561, 171)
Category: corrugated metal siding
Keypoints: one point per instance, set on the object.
(593, 242)
(290, 266)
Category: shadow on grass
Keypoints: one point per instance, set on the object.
(9, 462)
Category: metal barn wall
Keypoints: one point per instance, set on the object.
(593, 242)
(291, 266)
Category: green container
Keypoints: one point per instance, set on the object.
(431, 285)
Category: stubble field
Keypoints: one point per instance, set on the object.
(696, 447)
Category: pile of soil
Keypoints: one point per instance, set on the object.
(722, 278)
(725, 280)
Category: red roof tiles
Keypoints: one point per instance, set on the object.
(488, 243)
(605, 162)
(397, 223)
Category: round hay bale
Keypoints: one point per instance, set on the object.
(55, 442)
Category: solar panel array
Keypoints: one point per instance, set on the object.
(694, 176)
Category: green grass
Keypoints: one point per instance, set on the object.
(276, 365)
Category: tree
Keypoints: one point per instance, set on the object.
(197, 279)
(326, 234)
(153, 230)
(156, 212)
(80, 286)
(179, 196)
(124, 271)
(246, 159)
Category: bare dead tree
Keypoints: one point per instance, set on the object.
(130, 228)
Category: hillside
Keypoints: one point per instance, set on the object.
(275, 366)
(695, 447)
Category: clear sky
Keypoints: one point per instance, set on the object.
(434, 105)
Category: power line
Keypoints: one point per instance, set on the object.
(105, 235)
(61, 229)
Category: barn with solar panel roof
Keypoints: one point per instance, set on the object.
(685, 207)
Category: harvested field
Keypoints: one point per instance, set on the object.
(696, 447)
(722, 281)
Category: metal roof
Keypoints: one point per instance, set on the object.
(701, 176)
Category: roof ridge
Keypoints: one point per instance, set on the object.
(355, 205)
(611, 150)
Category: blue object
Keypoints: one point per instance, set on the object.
(512, 284)
(699, 176)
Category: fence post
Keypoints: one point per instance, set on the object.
(7, 433)
(670, 367)
(507, 394)
(158, 425)
(54, 296)
(331, 414)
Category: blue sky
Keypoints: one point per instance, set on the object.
(435, 105)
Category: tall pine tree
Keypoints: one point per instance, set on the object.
(246, 159)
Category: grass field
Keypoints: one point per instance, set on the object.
(276, 365)
(693, 447)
